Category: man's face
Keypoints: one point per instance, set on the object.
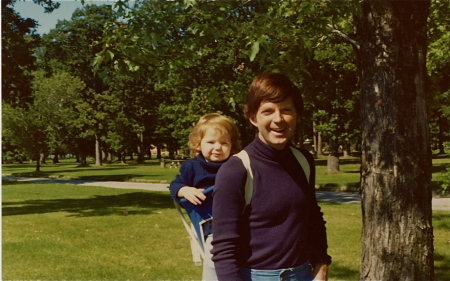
(276, 122)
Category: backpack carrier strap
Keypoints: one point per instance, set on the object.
(243, 155)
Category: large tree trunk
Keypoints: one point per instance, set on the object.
(397, 235)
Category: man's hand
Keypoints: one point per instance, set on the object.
(320, 272)
(192, 194)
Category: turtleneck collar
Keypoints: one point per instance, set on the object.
(269, 152)
(210, 166)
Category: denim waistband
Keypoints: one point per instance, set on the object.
(301, 272)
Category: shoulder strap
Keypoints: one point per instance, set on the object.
(301, 158)
(243, 155)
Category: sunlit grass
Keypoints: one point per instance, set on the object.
(151, 170)
(67, 232)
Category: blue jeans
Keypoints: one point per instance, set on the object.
(299, 273)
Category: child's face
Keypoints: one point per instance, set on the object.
(215, 146)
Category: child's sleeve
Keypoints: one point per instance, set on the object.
(185, 178)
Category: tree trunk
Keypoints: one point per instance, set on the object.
(42, 157)
(441, 136)
(158, 152)
(140, 148)
(122, 158)
(98, 156)
(38, 163)
(55, 159)
(346, 149)
(82, 145)
(397, 234)
(333, 158)
(317, 141)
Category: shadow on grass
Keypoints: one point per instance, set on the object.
(137, 203)
(342, 161)
(352, 187)
(338, 272)
(106, 177)
(441, 272)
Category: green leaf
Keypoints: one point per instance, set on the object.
(254, 50)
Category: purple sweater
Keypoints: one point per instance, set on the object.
(282, 227)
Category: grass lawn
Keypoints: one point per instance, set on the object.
(68, 168)
(152, 171)
(65, 232)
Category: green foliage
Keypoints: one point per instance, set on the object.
(438, 67)
(18, 41)
(55, 98)
(160, 65)
(24, 128)
(445, 185)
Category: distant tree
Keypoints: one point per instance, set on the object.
(55, 98)
(71, 47)
(25, 128)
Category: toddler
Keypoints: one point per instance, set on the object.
(211, 142)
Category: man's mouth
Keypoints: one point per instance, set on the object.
(278, 131)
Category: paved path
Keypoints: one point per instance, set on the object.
(339, 197)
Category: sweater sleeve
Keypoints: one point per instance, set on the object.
(185, 178)
(319, 237)
(228, 203)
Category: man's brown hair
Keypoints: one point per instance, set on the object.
(271, 87)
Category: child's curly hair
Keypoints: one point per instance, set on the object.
(218, 122)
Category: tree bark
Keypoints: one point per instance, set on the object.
(317, 141)
(98, 156)
(55, 159)
(333, 158)
(441, 136)
(397, 235)
(140, 148)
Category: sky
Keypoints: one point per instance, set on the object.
(48, 21)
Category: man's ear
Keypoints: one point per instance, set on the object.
(253, 121)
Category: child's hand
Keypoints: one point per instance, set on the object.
(192, 194)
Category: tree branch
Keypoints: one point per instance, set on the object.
(345, 36)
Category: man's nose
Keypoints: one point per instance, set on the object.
(277, 116)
